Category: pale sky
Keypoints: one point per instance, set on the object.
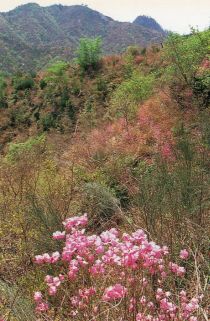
(175, 15)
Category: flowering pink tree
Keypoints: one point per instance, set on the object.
(112, 276)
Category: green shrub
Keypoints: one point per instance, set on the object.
(42, 84)
(130, 93)
(101, 199)
(16, 150)
(89, 53)
(71, 112)
(143, 51)
(201, 89)
(133, 51)
(33, 74)
(20, 116)
(101, 85)
(58, 68)
(56, 74)
(64, 99)
(75, 90)
(24, 83)
(3, 85)
(48, 121)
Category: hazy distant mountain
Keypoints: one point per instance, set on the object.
(148, 22)
(31, 35)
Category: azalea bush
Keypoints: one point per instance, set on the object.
(113, 276)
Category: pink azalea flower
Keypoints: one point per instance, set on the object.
(52, 290)
(42, 307)
(184, 254)
(75, 221)
(37, 296)
(114, 292)
(55, 257)
(48, 279)
(39, 259)
(59, 235)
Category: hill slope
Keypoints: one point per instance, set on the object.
(128, 143)
(31, 35)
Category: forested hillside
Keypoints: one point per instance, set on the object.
(31, 36)
(124, 138)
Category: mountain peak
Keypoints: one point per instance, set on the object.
(29, 6)
(148, 22)
(54, 31)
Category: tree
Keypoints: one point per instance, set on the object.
(89, 53)
(185, 54)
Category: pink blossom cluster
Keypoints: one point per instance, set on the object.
(117, 267)
(178, 270)
(53, 283)
(46, 258)
(83, 298)
(41, 306)
(75, 222)
(184, 254)
(114, 292)
(59, 235)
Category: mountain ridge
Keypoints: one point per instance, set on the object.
(149, 22)
(33, 35)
